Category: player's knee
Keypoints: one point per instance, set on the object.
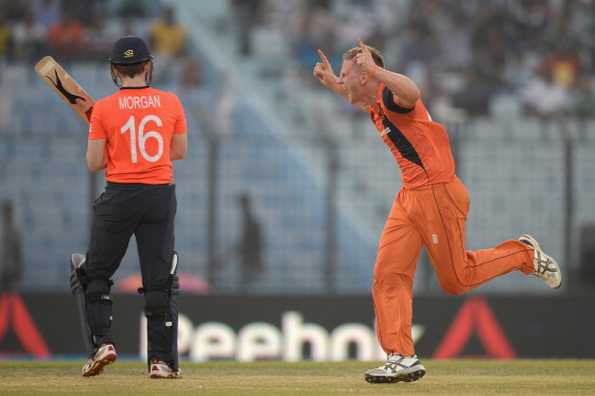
(97, 290)
(389, 284)
(156, 303)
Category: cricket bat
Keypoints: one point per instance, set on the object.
(67, 88)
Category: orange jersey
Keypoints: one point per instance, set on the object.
(419, 145)
(138, 125)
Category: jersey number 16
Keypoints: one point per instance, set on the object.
(143, 137)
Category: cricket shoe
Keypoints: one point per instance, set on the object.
(160, 369)
(104, 355)
(397, 368)
(544, 266)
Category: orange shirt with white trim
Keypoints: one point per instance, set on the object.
(138, 125)
(419, 145)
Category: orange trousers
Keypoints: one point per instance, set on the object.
(432, 216)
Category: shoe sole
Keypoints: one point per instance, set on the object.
(97, 366)
(158, 374)
(171, 376)
(383, 379)
(162, 377)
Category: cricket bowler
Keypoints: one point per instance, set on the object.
(430, 210)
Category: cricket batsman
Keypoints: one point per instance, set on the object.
(430, 210)
(134, 135)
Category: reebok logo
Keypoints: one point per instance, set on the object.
(260, 340)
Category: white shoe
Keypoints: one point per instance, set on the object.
(160, 369)
(105, 354)
(396, 368)
(544, 266)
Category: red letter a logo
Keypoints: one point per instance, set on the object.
(13, 311)
(475, 315)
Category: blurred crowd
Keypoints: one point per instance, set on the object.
(73, 30)
(477, 57)
(472, 57)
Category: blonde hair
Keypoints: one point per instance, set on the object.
(376, 55)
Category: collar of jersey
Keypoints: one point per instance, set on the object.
(143, 87)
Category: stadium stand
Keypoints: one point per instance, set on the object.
(275, 133)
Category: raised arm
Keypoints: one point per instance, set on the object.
(323, 71)
(405, 91)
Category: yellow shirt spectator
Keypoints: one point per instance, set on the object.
(5, 40)
(168, 39)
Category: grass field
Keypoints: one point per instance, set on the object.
(444, 377)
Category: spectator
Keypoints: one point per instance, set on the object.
(245, 15)
(490, 52)
(474, 97)
(29, 39)
(14, 10)
(133, 9)
(196, 99)
(250, 245)
(564, 60)
(420, 48)
(584, 106)
(67, 37)
(543, 98)
(168, 37)
(46, 13)
(455, 42)
(6, 40)
(102, 37)
(11, 251)
(565, 67)
(191, 75)
(531, 19)
(317, 30)
(168, 41)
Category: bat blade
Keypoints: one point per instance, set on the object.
(66, 87)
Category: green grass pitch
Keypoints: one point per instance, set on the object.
(444, 377)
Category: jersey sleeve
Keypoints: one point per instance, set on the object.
(96, 129)
(180, 127)
(388, 100)
(416, 113)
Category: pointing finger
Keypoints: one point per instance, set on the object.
(323, 57)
